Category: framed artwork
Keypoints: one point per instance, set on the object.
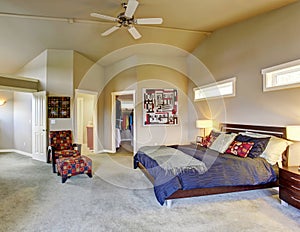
(160, 107)
(58, 107)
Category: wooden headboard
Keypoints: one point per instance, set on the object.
(269, 130)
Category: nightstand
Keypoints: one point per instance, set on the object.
(289, 186)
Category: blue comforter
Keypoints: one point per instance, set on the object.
(223, 170)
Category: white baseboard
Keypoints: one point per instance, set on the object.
(6, 150)
(103, 151)
(108, 151)
(16, 151)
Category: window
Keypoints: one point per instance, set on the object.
(225, 88)
(282, 76)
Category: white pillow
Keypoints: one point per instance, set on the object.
(273, 152)
(222, 142)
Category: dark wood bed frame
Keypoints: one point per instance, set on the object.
(270, 130)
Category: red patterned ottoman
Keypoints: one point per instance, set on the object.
(72, 166)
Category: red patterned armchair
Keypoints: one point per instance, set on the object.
(61, 145)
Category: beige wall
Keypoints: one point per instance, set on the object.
(15, 121)
(58, 72)
(60, 83)
(54, 69)
(37, 69)
(16, 131)
(137, 78)
(242, 50)
(126, 80)
(153, 76)
(81, 65)
(6, 120)
(22, 122)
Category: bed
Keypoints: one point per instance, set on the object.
(175, 181)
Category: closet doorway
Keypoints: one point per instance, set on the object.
(86, 114)
(123, 122)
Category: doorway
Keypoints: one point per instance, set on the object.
(123, 122)
(86, 111)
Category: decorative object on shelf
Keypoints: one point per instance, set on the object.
(58, 107)
(160, 107)
(204, 124)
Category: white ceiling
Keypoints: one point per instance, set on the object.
(29, 27)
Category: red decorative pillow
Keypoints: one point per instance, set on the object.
(239, 148)
(205, 141)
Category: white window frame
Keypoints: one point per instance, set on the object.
(270, 76)
(215, 90)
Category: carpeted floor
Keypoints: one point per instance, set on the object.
(119, 198)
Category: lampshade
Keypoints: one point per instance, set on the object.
(204, 123)
(293, 132)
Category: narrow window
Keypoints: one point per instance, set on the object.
(225, 88)
(281, 76)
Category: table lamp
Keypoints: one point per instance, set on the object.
(204, 124)
(293, 134)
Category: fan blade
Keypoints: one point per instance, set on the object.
(133, 31)
(131, 7)
(100, 16)
(149, 21)
(110, 30)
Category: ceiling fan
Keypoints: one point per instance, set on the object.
(126, 19)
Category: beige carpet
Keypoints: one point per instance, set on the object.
(118, 198)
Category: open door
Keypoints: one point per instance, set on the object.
(123, 122)
(39, 126)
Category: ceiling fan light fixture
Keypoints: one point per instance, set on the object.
(126, 19)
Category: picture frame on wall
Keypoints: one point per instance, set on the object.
(58, 107)
(160, 106)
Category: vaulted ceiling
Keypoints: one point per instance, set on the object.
(29, 27)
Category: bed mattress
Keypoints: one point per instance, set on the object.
(222, 170)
